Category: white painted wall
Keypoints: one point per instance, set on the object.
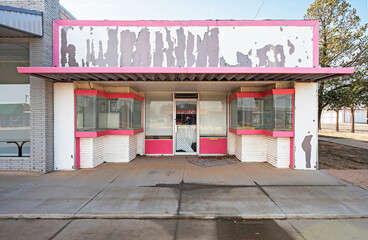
(64, 140)
(306, 124)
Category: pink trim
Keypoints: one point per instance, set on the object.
(282, 91)
(292, 139)
(89, 92)
(233, 70)
(291, 165)
(77, 153)
(212, 146)
(107, 132)
(316, 44)
(262, 94)
(55, 45)
(186, 23)
(262, 132)
(162, 146)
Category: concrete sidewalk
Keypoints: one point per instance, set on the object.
(346, 141)
(167, 187)
(76, 229)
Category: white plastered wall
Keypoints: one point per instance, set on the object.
(306, 126)
(64, 140)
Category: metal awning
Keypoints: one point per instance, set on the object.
(19, 22)
(70, 74)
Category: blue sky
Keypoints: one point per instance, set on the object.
(195, 9)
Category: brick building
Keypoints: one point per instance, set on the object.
(26, 33)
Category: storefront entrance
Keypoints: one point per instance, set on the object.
(185, 126)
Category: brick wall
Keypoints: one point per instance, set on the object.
(42, 122)
(94, 151)
(259, 148)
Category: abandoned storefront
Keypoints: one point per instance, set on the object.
(244, 88)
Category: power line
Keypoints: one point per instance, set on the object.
(260, 9)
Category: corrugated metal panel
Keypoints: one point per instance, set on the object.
(20, 22)
(183, 77)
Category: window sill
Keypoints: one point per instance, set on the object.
(262, 132)
(107, 132)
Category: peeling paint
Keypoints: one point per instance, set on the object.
(158, 55)
(100, 58)
(291, 47)
(277, 52)
(142, 54)
(126, 48)
(169, 51)
(111, 54)
(190, 47)
(307, 148)
(180, 48)
(208, 49)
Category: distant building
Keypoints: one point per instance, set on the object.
(360, 116)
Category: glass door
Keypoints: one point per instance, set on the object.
(186, 127)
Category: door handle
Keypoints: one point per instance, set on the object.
(176, 128)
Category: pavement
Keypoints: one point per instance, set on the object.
(173, 188)
(303, 229)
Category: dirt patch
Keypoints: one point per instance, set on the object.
(357, 177)
(337, 156)
(347, 163)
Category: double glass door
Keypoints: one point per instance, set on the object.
(186, 127)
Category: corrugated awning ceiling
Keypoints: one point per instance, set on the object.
(69, 74)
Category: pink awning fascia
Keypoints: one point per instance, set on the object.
(185, 73)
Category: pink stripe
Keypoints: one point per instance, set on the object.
(77, 153)
(267, 70)
(262, 94)
(163, 146)
(316, 45)
(89, 92)
(186, 23)
(107, 132)
(208, 146)
(291, 165)
(55, 45)
(262, 132)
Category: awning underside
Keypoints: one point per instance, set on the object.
(65, 74)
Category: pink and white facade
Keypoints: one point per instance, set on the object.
(128, 88)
